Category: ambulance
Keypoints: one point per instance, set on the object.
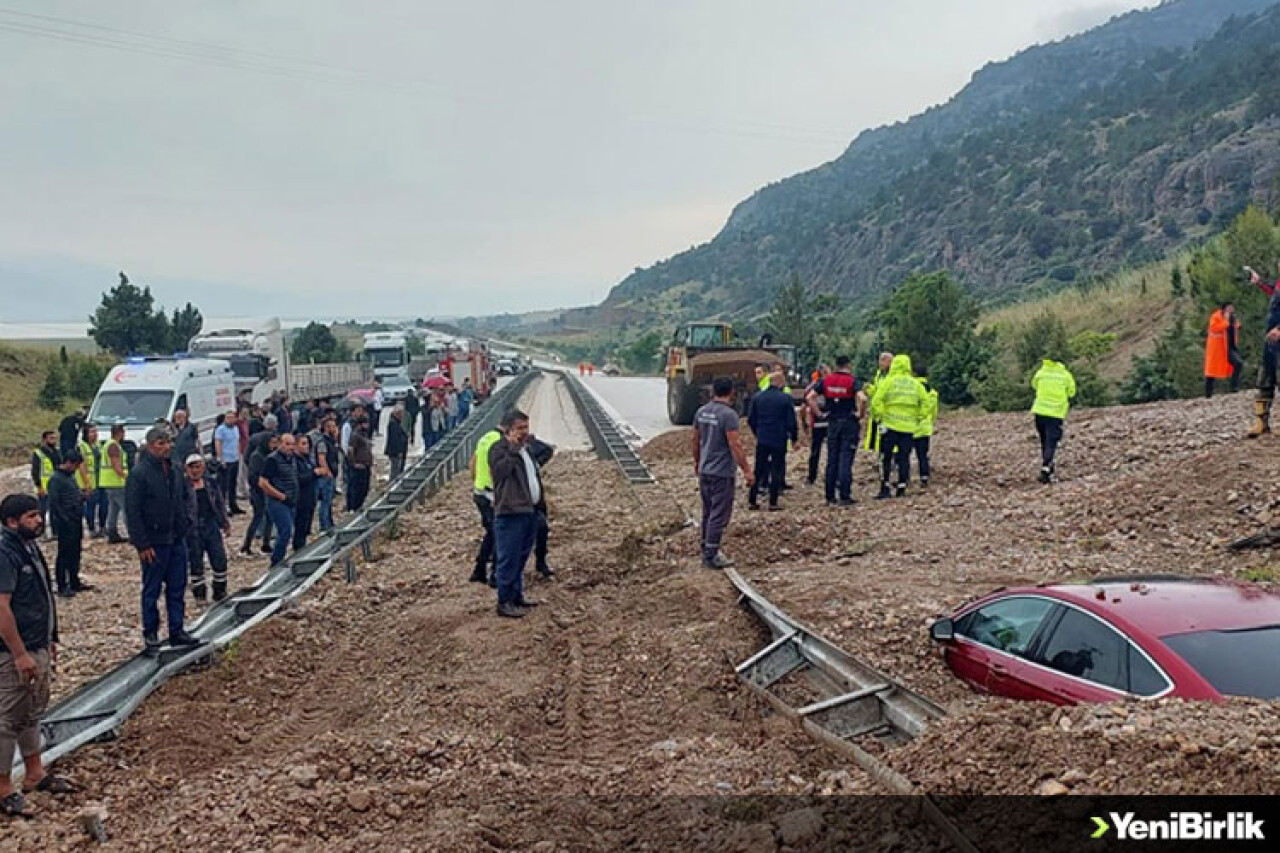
(143, 390)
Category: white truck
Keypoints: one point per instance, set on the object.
(259, 359)
(143, 390)
(387, 353)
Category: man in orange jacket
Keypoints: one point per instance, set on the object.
(1217, 354)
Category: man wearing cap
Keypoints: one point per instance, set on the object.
(208, 524)
(156, 510)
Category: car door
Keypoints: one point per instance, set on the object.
(1081, 658)
(991, 641)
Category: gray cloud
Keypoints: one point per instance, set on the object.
(430, 157)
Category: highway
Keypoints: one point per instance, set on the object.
(640, 402)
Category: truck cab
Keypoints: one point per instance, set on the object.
(387, 353)
(256, 352)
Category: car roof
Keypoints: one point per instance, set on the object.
(1165, 605)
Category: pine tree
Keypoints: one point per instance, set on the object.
(54, 390)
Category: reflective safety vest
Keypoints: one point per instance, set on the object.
(484, 477)
(763, 383)
(46, 468)
(107, 476)
(92, 464)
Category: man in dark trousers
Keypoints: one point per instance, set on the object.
(208, 524)
(66, 517)
(186, 438)
(44, 461)
(28, 648)
(411, 408)
(845, 406)
(156, 510)
(773, 421)
(717, 448)
(397, 446)
(541, 453)
(517, 492)
(361, 458)
(485, 569)
(259, 521)
(305, 511)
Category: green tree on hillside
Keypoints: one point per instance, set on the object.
(54, 390)
(185, 325)
(796, 319)
(925, 313)
(317, 343)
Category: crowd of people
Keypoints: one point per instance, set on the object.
(898, 406)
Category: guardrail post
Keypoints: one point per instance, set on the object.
(351, 568)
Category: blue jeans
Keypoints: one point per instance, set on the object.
(95, 510)
(513, 537)
(281, 515)
(324, 499)
(167, 570)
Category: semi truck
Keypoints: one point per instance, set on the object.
(259, 359)
(387, 353)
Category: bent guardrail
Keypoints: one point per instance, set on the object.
(98, 709)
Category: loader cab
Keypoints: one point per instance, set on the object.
(704, 335)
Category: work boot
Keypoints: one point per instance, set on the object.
(219, 590)
(719, 561)
(511, 611)
(198, 592)
(1046, 474)
(884, 492)
(924, 482)
(1261, 418)
(546, 571)
(902, 490)
(151, 645)
(115, 539)
(478, 576)
(182, 638)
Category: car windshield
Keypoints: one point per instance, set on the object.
(131, 407)
(386, 357)
(1232, 661)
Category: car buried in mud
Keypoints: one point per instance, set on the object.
(1118, 638)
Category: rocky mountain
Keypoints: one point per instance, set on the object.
(1065, 162)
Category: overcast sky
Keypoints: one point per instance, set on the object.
(414, 157)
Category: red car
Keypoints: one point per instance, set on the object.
(1117, 638)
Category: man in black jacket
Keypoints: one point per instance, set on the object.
(397, 448)
(28, 647)
(66, 516)
(156, 510)
(773, 420)
(69, 430)
(541, 453)
(186, 438)
(517, 493)
(208, 523)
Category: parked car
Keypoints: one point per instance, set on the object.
(1116, 638)
(396, 388)
(611, 369)
(507, 367)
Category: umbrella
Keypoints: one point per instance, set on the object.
(433, 382)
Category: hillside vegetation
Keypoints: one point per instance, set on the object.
(23, 371)
(1107, 150)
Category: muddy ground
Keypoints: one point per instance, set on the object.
(400, 708)
(1159, 488)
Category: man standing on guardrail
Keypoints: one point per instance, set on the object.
(29, 631)
(517, 493)
(361, 466)
(717, 448)
(156, 511)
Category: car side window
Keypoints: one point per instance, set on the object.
(1007, 625)
(1144, 678)
(1086, 648)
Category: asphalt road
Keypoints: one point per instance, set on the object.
(638, 401)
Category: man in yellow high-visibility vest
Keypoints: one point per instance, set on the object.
(112, 477)
(90, 477)
(44, 461)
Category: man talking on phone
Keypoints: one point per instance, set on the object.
(517, 494)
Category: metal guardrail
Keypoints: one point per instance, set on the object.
(853, 700)
(606, 435)
(98, 709)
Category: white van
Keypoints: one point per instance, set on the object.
(143, 390)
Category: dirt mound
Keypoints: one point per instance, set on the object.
(1162, 747)
(671, 446)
